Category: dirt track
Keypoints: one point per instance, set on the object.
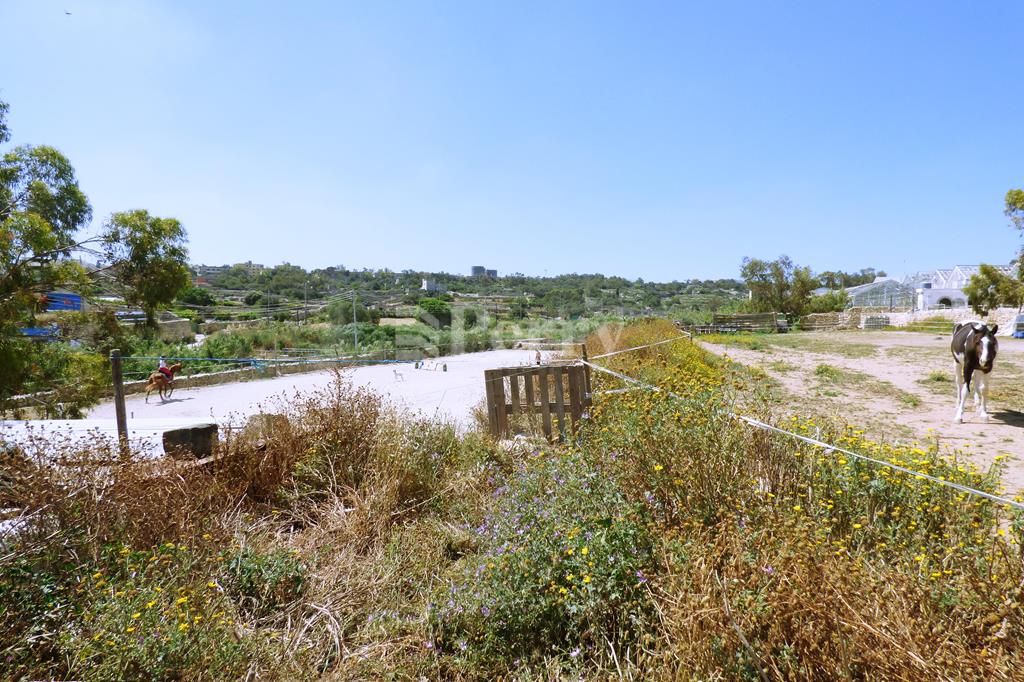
(897, 385)
(450, 394)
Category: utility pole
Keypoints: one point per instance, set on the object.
(355, 322)
(305, 302)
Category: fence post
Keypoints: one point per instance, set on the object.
(121, 417)
(586, 370)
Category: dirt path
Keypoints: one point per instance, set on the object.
(898, 386)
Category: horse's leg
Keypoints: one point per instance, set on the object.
(982, 390)
(961, 393)
(149, 389)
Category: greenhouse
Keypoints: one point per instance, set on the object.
(884, 292)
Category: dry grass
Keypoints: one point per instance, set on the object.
(341, 540)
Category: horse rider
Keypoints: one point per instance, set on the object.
(163, 369)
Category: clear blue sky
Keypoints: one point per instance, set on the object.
(655, 140)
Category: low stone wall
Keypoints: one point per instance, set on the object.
(175, 330)
(211, 327)
(1004, 317)
(233, 375)
(829, 321)
(875, 318)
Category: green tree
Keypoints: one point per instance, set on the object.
(41, 209)
(149, 256)
(991, 288)
(340, 312)
(1014, 209)
(470, 317)
(519, 308)
(779, 285)
(564, 301)
(196, 296)
(832, 302)
(435, 312)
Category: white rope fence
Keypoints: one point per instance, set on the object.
(828, 447)
(685, 335)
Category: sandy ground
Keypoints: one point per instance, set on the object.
(451, 395)
(898, 386)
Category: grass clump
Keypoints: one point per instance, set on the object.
(831, 374)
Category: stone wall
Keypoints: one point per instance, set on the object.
(862, 318)
(1002, 316)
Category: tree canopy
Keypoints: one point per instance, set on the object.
(779, 285)
(834, 279)
(150, 258)
(41, 209)
(991, 288)
(435, 312)
(1014, 208)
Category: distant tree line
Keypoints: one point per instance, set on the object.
(568, 296)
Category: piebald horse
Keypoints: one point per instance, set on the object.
(974, 349)
(161, 383)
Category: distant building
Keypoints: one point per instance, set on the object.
(939, 288)
(477, 271)
(430, 285)
(207, 270)
(252, 268)
(493, 274)
(944, 288)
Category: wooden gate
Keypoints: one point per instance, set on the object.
(559, 393)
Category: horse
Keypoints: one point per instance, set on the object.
(159, 381)
(974, 348)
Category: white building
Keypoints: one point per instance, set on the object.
(430, 285)
(944, 288)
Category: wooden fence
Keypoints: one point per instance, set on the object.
(559, 393)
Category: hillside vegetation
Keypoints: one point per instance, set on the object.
(346, 541)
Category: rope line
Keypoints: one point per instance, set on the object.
(828, 447)
(685, 335)
(294, 361)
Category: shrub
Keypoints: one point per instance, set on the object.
(563, 565)
(129, 614)
(264, 583)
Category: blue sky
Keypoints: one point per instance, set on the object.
(655, 140)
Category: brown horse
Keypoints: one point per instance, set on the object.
(158, 381)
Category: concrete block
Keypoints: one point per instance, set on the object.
(191, 442)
